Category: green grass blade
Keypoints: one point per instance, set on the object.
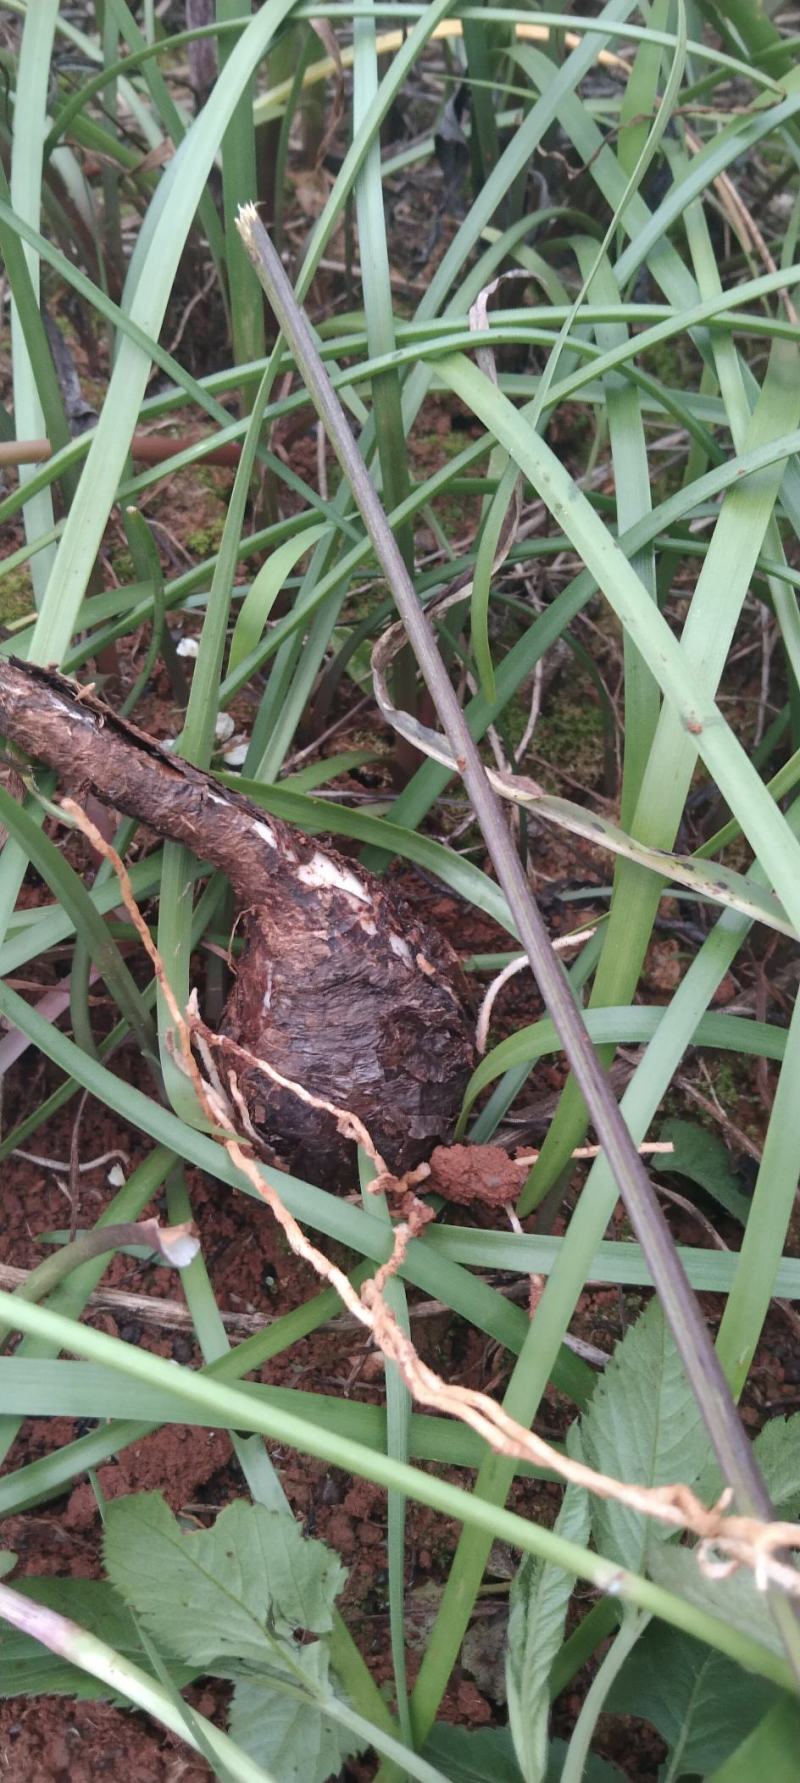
(26, 177)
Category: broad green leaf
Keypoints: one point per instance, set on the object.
(596, 1770)
(467, 1757)
(702, 1157)
(488, 1754)
(777, 1451)
(736, 1599)
(287, 1731)
(29, 1669)
(238, 1590)
(694, 1697)
(771, 1750)
(540, 1595)
(643, 1425)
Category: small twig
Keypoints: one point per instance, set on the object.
(62, 1166)
(484, 1014)
(651, 1148)
(533, 715)
(201, 292)
(178, 1245)
(712, 1106)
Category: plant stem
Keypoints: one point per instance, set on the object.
(83, 1649)
(633, 1625)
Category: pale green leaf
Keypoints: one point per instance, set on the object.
(237, 1590)
(488, 1753)
(470, 1757)
(736, 1599)
(702, 1157)
(286, 1730)
(643, 1425)
(777, 1451)
(540, 1595)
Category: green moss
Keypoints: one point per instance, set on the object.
(205, 542)
(727, 1087)
(209, 477)
(122, 565)
(569, 734)
(16, 594)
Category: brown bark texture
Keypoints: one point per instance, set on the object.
(338, 987)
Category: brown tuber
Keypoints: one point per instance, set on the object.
(339, 987)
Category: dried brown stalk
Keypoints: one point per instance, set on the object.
(146, 448)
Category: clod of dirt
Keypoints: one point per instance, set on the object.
(339, 987)
(470, 1173)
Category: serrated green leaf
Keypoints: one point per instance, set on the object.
(736, 1600)
(236, 1591)
(540, 1595)
(693, 1696)
(702, 1157)
(643, 1425)
(777, 1449)
(284, 1729)
(29, 1669)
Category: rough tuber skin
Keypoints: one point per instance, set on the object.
(339, 987)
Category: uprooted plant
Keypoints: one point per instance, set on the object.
(339, 985)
